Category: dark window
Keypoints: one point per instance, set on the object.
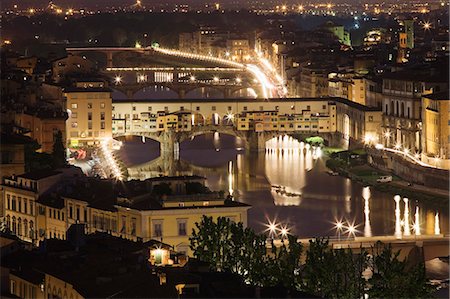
(182, 228)
(158, 230)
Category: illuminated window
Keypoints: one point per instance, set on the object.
(74, 106)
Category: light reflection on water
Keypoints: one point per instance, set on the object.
(293, 187)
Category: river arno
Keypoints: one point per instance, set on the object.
(291, 187)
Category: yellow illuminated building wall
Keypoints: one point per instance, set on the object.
(25, 289)
(90, 118)
(58, 288)
(435, 129)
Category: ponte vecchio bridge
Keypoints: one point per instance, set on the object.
(255, 121)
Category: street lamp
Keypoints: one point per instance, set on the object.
(229, 116)
(272, 228)
(117, 79)
(284, 232)
(351, 230)
(426, 26)
(339, 226)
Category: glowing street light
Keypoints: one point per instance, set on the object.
(272, 228)
(238, 80)
(426, 26)
(351, 230)
(398, 146)
(192, 78)
(117, 79)
(216, 79)
(229, 117)
(339, 226)
(141, 78)
(284, 232)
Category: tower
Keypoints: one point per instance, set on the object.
(409, 30)
(402, 46)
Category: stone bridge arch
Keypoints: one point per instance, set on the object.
(202, 130)
(131, 89)
(233, 91)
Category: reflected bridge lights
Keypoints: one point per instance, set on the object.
(437, 229)
(367, 227)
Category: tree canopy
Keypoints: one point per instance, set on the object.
(320, 270)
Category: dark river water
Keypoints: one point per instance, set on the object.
(289, 186)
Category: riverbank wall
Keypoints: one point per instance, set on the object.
(409, 171)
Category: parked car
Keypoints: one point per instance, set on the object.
(384, 179)
(333, 173)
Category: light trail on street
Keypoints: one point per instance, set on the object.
(271, 83)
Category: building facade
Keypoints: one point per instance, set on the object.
(435, 129)
(402, 114)
(89, 107)
(35, 209)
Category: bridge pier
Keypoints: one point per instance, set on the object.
(109, 59)
(129, 94)
(256, 141)
(227, 93)
(181, 93)
(168, 146)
